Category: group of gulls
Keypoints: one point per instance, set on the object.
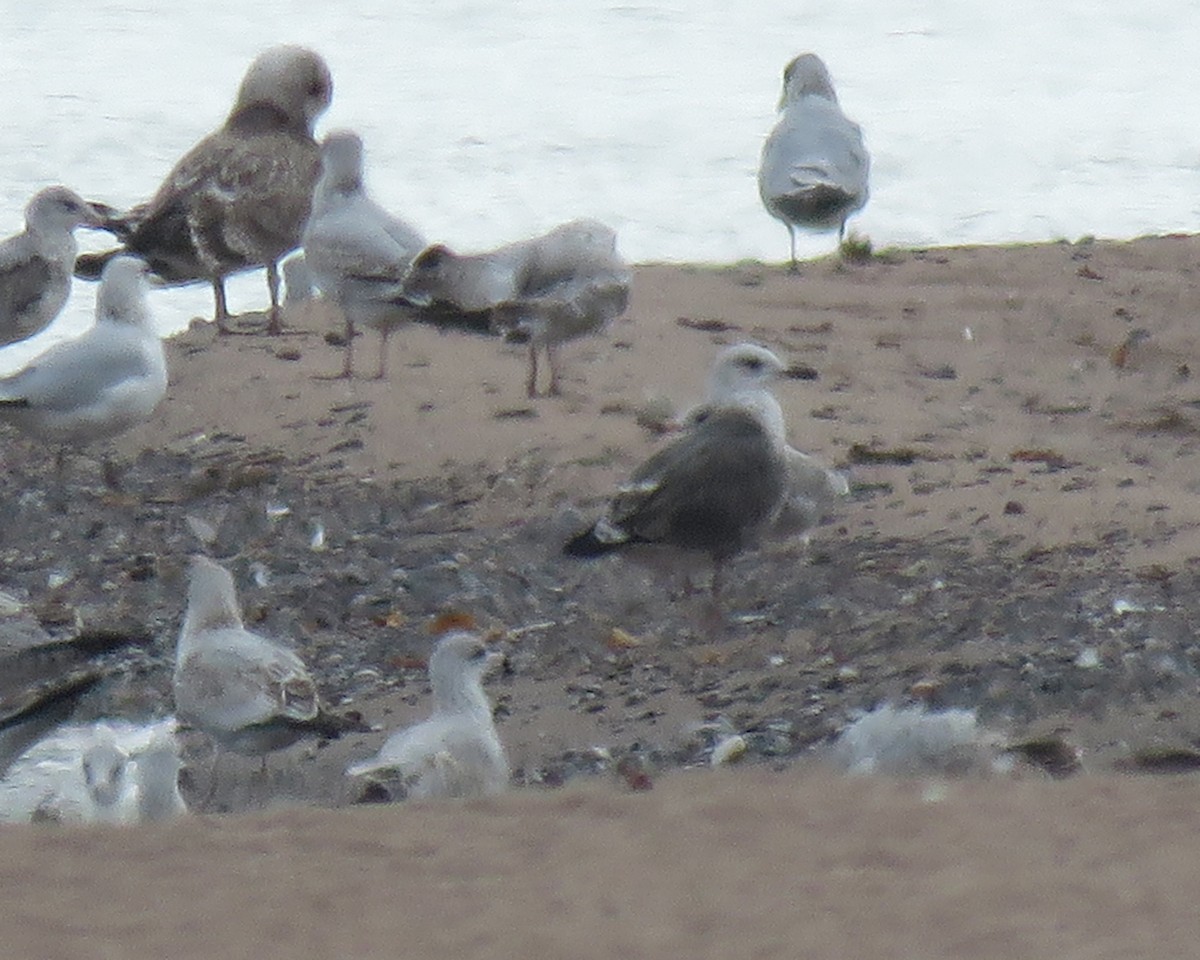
(248, 195)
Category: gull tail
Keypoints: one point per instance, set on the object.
(589, 544)
(89, 266)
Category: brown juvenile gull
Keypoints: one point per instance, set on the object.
(814, 165)
(97, 385)
(238, 199)
(357, 252)
(716, 488)
(456, 752)
(249, 693)
(585, 288)
(36, 264)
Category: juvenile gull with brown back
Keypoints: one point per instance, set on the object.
(240, 197)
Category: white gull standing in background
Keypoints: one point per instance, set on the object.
(814, 167)
(240, 197)
(36, 264)
(356, 252)
(456, 752)
(100, 384)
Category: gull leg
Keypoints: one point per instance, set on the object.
(348, 362)
(552, 362)
(795, 267)
(384, 331)
(275, 316)
(532, 378)
(222, 311)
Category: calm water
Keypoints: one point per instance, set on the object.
(987, 122)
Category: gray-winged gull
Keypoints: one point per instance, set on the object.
(356, 251)
(583, 287)
(456, 752)
(100, 384)
(36, 264)
(240, 197)
(249, 693)
(814, 167)
(717, 488)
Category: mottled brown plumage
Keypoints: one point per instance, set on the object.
(238, 199)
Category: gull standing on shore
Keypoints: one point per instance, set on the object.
(238, 199)
(456, 752)
(814, 165)
(554, 287)
(585, 288)
(100, 384)
(718, 487)
(36, 264)
(357, 252)
(250, 694)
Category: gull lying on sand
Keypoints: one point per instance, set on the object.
(356, 251)
(108, 772)
(101, 384)
(36, 264)
(250, 694)
(240, 197)
(814, 165)
(563, 284)
(718, 487)
(456, 752)
(914, 741)
(812, 487)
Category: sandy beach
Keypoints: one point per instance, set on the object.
(1021, 430)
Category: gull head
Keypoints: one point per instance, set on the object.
(423, 281)
(294, 80)
(104, 768)
(742, 368)
(60, 209)
(341, 160)
(457, 667)
(122, 296)
(212, 599)
(806, 76)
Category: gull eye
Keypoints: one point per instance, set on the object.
(478, 653)
(752, 363)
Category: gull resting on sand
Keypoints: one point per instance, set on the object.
(456, 752)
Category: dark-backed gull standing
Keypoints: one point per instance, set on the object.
(238, 199)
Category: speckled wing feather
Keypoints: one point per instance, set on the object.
(238, 199)
(230, 683)
(29, 292)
